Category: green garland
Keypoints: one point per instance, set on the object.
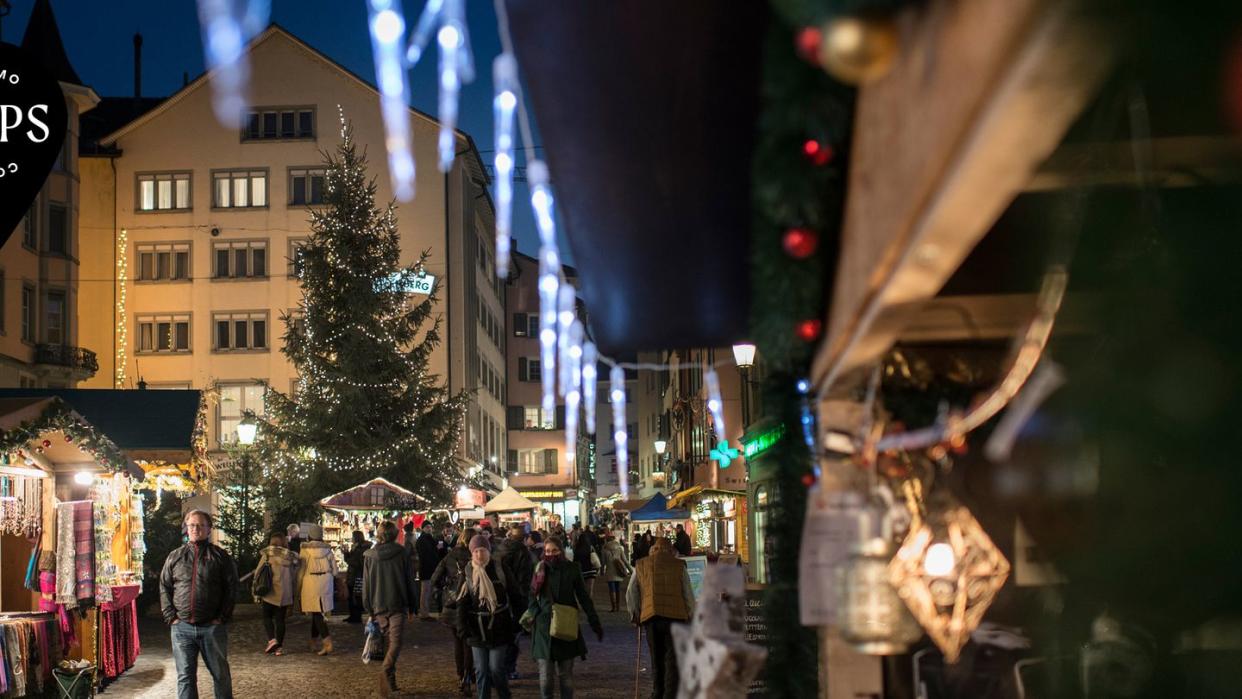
(58, 417)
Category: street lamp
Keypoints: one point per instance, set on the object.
(660, 446)
(247, 429)
(744, 355)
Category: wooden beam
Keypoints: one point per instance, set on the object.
(982, 94)
(1181, 161)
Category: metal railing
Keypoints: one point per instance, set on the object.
(67, 356)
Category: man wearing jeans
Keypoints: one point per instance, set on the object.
(198, 586)
(388, 597)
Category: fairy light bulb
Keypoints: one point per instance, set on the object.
(590, 377)
(939, 560)
(616, 396)
(504, 105)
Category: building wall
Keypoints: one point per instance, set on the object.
(187, 137)
(28, 262)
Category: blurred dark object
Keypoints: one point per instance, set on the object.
(648, 113)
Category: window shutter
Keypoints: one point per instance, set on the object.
(515, 418)
(513, 465)
(560, 417)
(519, 324)
(549, 461)
(523, 372)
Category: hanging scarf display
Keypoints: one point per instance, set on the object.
(30, 647)
(84, 549)
(66, 577)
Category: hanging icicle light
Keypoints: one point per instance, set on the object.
(226, 27)
(566, 304)
(387, 31)
(543, 205)
(715, 405)
(590, 375)
(504, 106)
(620, 440)
(456, 68)
(573, 393)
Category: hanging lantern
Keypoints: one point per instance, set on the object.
(873, 618)
(948, 572)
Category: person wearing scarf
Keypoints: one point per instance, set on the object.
(484, 619)
(557, 581)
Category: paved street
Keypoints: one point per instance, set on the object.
(426, 666)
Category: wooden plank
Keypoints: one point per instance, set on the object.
(981, 95)
(1180, 161)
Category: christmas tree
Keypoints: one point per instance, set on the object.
(365, 403)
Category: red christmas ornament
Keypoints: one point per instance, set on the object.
(806, 43)
(68, 438)
(47, 443)
(808, 479)
(818, 153)
(800, 243)
(808, 330)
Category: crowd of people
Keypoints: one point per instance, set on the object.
(489, 588)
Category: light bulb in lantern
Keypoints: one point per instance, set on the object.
(660, 446)
(744, 355)
(939, 560)
(83, 478)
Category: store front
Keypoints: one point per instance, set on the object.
(554, 506)
(760, 493)
(718, 521)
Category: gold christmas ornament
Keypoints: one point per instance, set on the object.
(857, 50)
(948, 573)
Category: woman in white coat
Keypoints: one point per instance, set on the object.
(315, 578)
(277, 600)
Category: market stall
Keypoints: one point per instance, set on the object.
(555, 505)
(718, 520)
(656, 517)
(363, 507)
(510, 506)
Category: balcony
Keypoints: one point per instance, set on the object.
(79, 360)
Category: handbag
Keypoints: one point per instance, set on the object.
(595, 564)
(564, 622)
(262, 580)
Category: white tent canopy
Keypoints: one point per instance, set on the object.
(509, 500)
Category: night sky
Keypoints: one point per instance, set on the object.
(98, 37)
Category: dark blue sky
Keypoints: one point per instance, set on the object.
(99, 39)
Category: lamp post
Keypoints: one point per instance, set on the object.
(247, 429)
(744, 356)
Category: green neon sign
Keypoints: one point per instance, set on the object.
(763, 441)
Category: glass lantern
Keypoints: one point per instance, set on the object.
(871, 617)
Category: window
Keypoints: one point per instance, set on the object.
(536, 418)
(26, 381)
(163, 333)
(270, 123)
(54, 315)
(162, 262)
(239, 189)
(239, 331)
(30, 227)
(58, 229)
(528, 369)
(234, 401)
(306, 186)
(537, 461)
(165, 191)
(28, 311)
(526, 325)
(239, 259)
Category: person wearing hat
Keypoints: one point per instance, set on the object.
(316, 577)
(484, 618)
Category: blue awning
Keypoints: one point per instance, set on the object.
(656, 509)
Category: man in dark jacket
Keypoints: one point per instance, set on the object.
(428, 558)
(388, 596)
(513, 555)
(683, 542)
(198, 586)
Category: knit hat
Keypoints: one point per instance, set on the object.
(479, 542)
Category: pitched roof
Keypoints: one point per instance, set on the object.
(42, 39)
(109, 115)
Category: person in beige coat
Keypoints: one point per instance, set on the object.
(315, 579)
(279, 598)
(616, 570)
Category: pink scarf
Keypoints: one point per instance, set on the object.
(541, 572)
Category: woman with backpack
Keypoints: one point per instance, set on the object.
(557, 594)
(484, 618)
(450, 573)
(273, 588)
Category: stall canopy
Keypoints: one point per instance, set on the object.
(375, 494)
(685, 496)
(657, 509)
(509, 500)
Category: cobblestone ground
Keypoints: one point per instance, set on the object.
(425, 668)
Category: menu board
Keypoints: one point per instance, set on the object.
(696, 567)
(757, 633)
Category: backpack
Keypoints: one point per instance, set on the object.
(262, 584)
